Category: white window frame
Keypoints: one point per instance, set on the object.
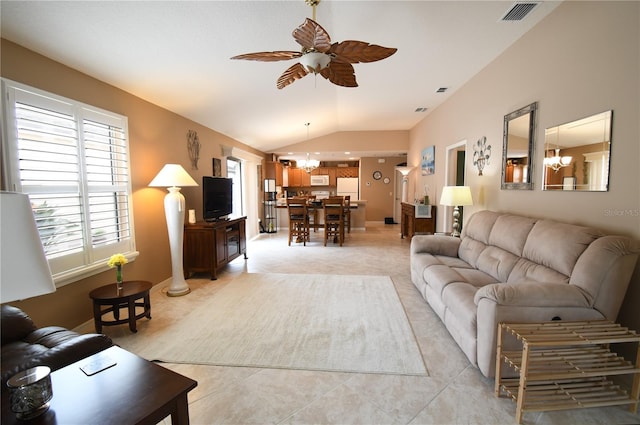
(90, 258)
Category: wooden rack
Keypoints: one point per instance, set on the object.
(566, 365)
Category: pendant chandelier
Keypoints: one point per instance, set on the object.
(309, 164)
(556, 162)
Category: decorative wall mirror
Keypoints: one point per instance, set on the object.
(517, 149)
(576, 154)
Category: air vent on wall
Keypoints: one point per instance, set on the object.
(519, 11)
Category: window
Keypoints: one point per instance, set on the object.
(234, 172)
(73, 161)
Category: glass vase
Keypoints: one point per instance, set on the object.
(119, 277)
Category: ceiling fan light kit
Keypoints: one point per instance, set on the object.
(314, 62)
(320, 56)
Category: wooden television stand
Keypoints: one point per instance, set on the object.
(209, 246)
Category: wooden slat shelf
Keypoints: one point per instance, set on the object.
(565, 365)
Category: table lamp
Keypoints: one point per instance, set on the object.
(456, 196)
(173, 176)
(24, 270)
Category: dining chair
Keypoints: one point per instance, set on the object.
(347, 212)
(333, 219)
(298, 220)
(313, 212)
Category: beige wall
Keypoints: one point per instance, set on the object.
(157, 136)
(580, 60)
(393, 142)
(380, 196)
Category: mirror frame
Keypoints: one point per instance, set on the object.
(607, 132)
(529, 109)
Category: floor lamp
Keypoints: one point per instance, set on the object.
(405, 179)
(456, 196)
(173, 176)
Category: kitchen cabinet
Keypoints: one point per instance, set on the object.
(347, 172)
(274, 171)
(208, 247)
(298, 177)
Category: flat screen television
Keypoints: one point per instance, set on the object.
(217, 197)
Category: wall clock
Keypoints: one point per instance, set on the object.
(377, 175)
(386, 180)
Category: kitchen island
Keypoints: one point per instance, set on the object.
(358, 215)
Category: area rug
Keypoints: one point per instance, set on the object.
(294, 321)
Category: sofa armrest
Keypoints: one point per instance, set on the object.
(435, 245)
(16, 324)
(75, 349)
(533, 294)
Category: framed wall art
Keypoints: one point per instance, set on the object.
(217, 167)
(428, 161)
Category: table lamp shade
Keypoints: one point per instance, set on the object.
(173, 175)
(24, 270)
(456, 196)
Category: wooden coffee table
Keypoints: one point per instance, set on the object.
(109, 295)
(133, 391)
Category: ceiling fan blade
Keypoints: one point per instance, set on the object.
(311, 35)
(353, 51)
(269, 56)
(294, 72)
(341, 74)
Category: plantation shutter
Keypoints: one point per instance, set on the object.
(72, 161)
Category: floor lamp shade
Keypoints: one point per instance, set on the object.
(24, 270)
(173, 176)
(456, 196)
(404, 170)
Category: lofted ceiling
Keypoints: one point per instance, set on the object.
(176, 54)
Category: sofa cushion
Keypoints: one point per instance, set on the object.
(496, 262)
(525, 270)
(558, 245)
(439, 276)
(510, 233)
(458, 298)
(479, 226)
(469, 251)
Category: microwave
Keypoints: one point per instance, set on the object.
(319, 180)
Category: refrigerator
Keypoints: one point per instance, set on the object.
(348, 186)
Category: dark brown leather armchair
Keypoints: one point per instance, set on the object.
(25, 346)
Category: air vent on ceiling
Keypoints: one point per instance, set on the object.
(421, 109)
(519, 11)
(442, 89)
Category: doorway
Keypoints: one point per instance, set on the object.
(454, 176)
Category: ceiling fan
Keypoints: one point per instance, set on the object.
(320, 56)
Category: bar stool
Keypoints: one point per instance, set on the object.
(298, 220)
(333, 219)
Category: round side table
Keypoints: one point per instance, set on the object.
(115, 299)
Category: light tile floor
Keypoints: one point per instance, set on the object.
(454, 393)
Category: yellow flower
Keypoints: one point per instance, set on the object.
(117, 260)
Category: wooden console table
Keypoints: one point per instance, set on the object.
(411, 225)
(208, 247)
(566, 365)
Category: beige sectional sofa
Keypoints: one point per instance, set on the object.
(511, 268)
